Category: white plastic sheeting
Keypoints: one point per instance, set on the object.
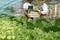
(16, 4)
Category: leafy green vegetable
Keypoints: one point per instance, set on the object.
(21, 28)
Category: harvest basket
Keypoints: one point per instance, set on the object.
(34, 14)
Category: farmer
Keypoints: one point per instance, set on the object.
(43, 9)
(27, 5)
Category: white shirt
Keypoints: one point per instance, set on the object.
(26, 5)
(45, 8)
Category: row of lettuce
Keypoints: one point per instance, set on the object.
(21, 28)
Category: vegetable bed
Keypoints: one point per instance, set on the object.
(21, 28)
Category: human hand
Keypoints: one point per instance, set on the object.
(28, 15)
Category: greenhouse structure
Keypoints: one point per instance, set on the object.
(14, 25)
